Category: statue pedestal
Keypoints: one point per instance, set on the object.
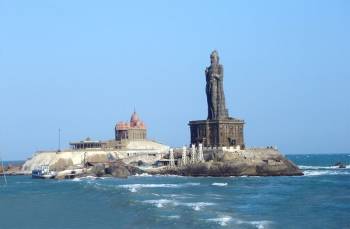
(216, 133)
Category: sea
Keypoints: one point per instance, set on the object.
(320, 199)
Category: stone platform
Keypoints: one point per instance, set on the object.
(221, 132)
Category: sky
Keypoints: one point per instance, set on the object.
(84, 65)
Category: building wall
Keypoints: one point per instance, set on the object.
(131, 134)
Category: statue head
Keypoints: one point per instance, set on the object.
(214, 57)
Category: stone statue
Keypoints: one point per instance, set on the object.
(215, 89)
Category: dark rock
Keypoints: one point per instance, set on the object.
(340, 165)
(98, 170)
(282, 167)
(121, 170)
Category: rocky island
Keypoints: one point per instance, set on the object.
(217, 147)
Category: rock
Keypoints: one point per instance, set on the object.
(121, 170)
(98, 170)
(138, 163)
(265, 162)
(98, 158)
(61, 164)
(340, 165)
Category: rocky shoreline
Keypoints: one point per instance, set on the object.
(227, 169)
(248, 162)
(264, 163)
(252, 162)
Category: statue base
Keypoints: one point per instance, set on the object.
(216, 133)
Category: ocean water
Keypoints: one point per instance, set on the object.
(320, 199)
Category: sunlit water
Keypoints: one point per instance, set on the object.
(321, 199)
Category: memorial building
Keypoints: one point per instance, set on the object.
(135, 130)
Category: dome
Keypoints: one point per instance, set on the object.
(134, 118)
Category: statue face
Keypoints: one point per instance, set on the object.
(214, 58)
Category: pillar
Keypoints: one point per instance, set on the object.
(184, 156)
(171, 158)
(193, 154)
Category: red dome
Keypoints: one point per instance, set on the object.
(135, 120)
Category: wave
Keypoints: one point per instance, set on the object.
(226, 220)
(180, 196)
(325, 172)
(135, 187)
(260, 224)
(222, 221)
(160, 203)
(173, 217)
(309, 167)
(219, 184)
(143, 175)
(198, 206)
(89, 178)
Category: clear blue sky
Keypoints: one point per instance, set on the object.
(84, 65)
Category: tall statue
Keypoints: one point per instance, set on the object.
(215, 89)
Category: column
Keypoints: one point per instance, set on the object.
(184, 156)
(193, 154)
(200, 153)
(171, 158)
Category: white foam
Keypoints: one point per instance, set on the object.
(325, 172)
(198, 206)
(179, 196)
(140, 186)
(308, 167)
(222, 221)
(143, 175)
(260, 224)
(225, 220)
(159, 203)
(87, 178)
(220, 184)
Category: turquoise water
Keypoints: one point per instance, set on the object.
(321, 199)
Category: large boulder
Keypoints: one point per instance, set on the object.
(98, 170)
(121, 170)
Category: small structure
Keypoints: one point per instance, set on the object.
(86, 144)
